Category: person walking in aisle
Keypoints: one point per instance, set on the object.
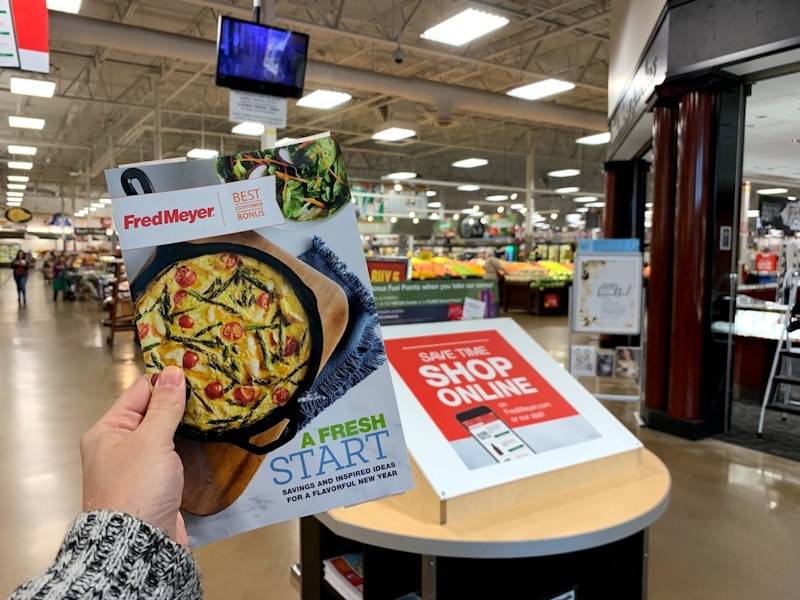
(21, 265)
(130, 541)
(58, 277)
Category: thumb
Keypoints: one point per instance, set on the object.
(166, 404)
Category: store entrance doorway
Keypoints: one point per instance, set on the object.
(768, 255)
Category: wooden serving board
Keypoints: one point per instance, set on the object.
(216, 474)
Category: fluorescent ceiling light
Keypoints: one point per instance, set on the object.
(15, 194)
(434, 205)
(464, 27)
(32, 87)
(323, 99)
(582, 209)
(104, 200)
(585, 199)
(69, 6)
(249, 128)
(17, 186)
(753, 212)
(26, 150)
(467, 210)
(791, 198)
(534, 91)
(595, 204)
(25, 123)
(202, 153)
(25, 166)
(496, 198)
(595, 140)
(434, 216)
(393, 134)
(431, 193)
(772, 191)
(516, 206)
(19, 178)
(468, 188)
(571, 189)
(97, 204)
(564, 173)
(13, 202)
(470, 163)
(400, 175)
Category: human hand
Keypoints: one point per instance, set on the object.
(129, 459)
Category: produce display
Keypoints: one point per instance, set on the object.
(543, 273)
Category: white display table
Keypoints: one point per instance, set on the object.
(586, 537)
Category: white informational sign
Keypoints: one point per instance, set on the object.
(8, 38)
(257, 108)
(473, 309)
(607, 293)
(490, 406)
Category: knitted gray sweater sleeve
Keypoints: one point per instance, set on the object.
(113, 555)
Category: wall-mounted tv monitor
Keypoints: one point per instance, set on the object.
(261, 59)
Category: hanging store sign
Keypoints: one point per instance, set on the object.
(257, 108)
(24, 35)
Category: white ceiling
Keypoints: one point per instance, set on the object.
(103, 112)
(772, 122)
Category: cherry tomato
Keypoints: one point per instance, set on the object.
(228, 260)
(232, 331)
(189, 360)
(244, 395)
(290, 346)
(263, 300)
(179, 297)
(144, 329)
(281, 396)
(186, 322)
(185, 277)
(214, 390)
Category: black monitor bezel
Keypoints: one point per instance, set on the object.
(259, 86)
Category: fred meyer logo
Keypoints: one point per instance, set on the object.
(164, 217)
(177, 216)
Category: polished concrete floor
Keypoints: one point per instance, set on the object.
(732, 530)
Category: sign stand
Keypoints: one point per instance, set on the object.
(606, 299)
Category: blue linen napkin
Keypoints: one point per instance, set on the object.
(359, 352)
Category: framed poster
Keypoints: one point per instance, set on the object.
(583, 360)
(627, 360)
(607, 293)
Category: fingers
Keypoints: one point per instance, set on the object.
(131, 405)
(166, 404)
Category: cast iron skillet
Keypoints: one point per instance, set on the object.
(169, 255)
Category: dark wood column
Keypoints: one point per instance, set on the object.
(694, 185)
(609, 211)
(660, 288)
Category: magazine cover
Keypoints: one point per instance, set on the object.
(247, 271)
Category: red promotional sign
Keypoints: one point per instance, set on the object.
(454, 373)
(766, 262)
(33, 38)
(387, 271)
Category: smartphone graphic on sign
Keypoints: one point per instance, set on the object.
(493, 434)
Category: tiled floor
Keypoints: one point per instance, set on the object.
(732, 530)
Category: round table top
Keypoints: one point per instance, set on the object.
(587, 516)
